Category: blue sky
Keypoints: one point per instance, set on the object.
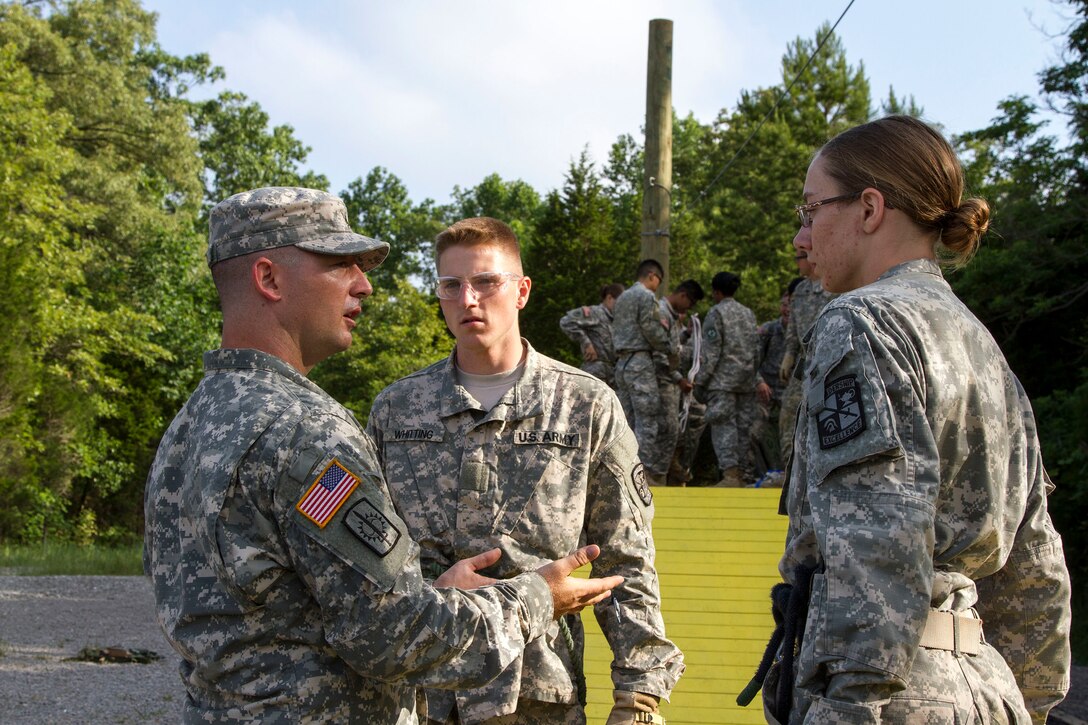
(443, 93)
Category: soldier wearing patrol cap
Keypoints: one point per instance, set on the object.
(500, 446)
(919, 538)
(282, 574)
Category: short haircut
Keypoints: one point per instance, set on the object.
(726, 282)
(613, 290)
(479, 231)
(692, 289)
(793, 284)
(649, 266)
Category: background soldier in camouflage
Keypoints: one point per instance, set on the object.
(672, 379)
(766, 449)
(646, 358)
(808, 298)
(919, 494)
(727, 380)
(282, 575)
(591, 328)
(499, 446)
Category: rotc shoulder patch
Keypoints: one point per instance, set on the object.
(712, 334)
(638, 478)
(842, 417)
(372, 527)
(327, 493)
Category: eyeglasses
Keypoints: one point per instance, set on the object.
(483, 284)
(804, 212)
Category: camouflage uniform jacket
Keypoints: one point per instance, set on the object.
(809, 297)
(637, 323)
(593, 326)
(728, 360)
(553, 465)
(278, 619)
(919, 484)
(668, 365)
(772, 348)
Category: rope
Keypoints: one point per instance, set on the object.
(696, 351)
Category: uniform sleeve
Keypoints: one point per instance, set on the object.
(652, 326)
(573, 323)
(1025, 605)
(713, 339)
(362, 571)
(619, 515)
(793, 336)
(872, 511)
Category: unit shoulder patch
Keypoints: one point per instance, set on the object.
(638, 478)
(843, 416)
(372, 527)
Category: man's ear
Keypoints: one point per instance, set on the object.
(524, 285)
(266, 278)
(872, 202)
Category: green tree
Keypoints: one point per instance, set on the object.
(130, 180)
(380, 207)
(1027, 282)
(514, 202)
(240, 152)
(400, 331)
(759, 152)
(572, 255)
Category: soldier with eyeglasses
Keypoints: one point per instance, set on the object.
(498, 446)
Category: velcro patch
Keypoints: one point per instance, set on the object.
(415, 434)
(372, 527)
(638, 477)
(553, 437)
(843, 416)
(327, 493)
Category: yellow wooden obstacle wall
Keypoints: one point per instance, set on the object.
(717, 557)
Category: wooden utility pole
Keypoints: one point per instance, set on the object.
(658, 150)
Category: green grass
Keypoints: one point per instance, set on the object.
(68, 559)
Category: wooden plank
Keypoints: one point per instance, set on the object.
(717, 559)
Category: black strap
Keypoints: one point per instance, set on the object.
(789, 607)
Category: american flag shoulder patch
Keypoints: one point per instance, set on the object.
(327, 494)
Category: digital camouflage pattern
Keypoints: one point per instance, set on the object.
(808, 298)
(551, 466)
(772, 348)
(643, 346)
(669, 375)
(727, 381)
(276, 619)
(281, 216)
(921, 485)
(592, 325)
(767, 447)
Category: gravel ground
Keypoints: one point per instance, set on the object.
(44, 620)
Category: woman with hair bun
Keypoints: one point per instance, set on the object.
(925, 582)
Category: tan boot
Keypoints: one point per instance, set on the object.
(731, 478)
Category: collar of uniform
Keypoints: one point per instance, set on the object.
(528, 392)
(236, 358)
(607, 312)
(914, 266)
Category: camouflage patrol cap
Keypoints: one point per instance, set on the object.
(281, 216)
